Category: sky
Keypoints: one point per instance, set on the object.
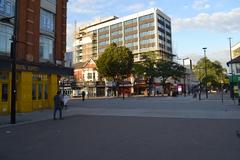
(195, 23)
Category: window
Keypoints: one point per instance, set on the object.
(3, 76)
(7, 8)
(116, 33)
(131, 36)
(142, 34)
(47, 21)
(145, 25)
(116, 40)
(46, 91)
(39, 90)
(116, 25)
(6, 33)
(103, 43)
(147, 41)
(103, 29)
(146, 17)
(94, 76)
(4, 92)
(46, 49)
(52, 1)
(104, 36)
(89, 75)
(130, 29)
(237, 68)
(34, 91)
(1, 5)
(130, 21)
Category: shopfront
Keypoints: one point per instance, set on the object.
(36, 87)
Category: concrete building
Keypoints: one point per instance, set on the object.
(40, 48)
(236, 50)
(145, 31)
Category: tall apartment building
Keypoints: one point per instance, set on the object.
(145, 31)
(40, 48)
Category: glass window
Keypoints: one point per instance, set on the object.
(52, 1)
(3, 76)
(116, 40)
(47, 21)
(6, 33)
(34, 91)
(132, 36)
(1, 5)
(103, 29)
(130, 29)
(145, 25)
(146, 17)
(104, 36)
(46, 91)
(46, 48)
(89, 75)
(103, 43)
(7, 8)
(130, 21)
(39, 90)
(116, 25)
(4, 92)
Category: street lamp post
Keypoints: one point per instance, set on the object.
(231, 84)
(13, 61)
(205, 62)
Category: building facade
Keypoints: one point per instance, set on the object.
(145, 31)
(236, 50)
(40, 48)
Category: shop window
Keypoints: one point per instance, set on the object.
(4, 92)
(39, 90)
(3, 76)
(46, 91)
(34, 91)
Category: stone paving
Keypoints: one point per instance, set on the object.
(165, 107)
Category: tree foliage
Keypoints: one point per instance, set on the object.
(152, 67)
(215, 72)
(115, 63)
(166, 69)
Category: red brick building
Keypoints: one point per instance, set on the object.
(40, 48)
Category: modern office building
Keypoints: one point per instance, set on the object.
(145, 31)
(40, 47)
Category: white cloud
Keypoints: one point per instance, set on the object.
(152, 3)
(219, 21)
(89, 6)
(135, 7)
(201, 4)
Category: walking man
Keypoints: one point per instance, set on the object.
(58, 105)
(83, 95)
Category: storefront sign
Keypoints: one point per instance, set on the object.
(27, 68)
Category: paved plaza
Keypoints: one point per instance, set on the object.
(135, 128)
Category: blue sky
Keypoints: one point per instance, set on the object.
(195, 23)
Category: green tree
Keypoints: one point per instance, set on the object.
(115, 63)
(215, 72)
(166, 69)
(146, 68)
